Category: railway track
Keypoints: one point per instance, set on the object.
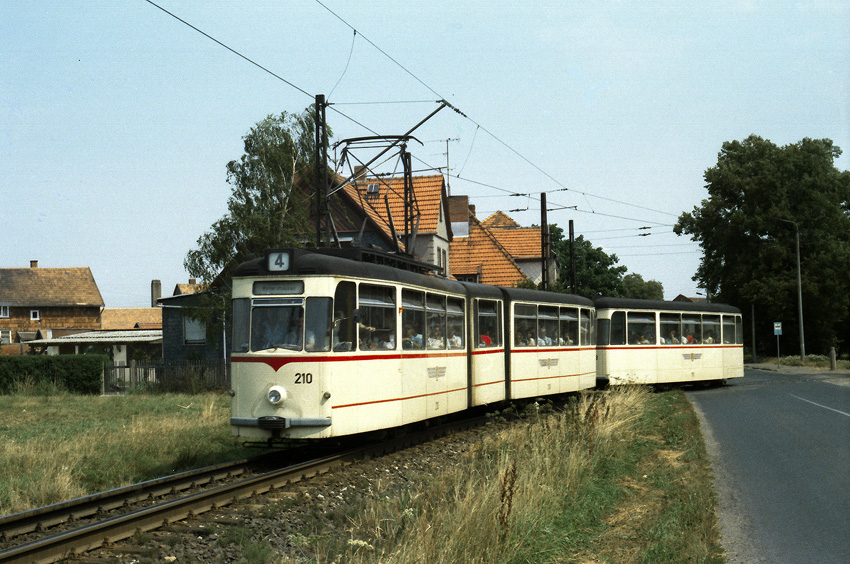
(59, 531)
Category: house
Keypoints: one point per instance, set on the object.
(478, 256)
(185, 336)
(684, 298)
(524, 244)
(52, 301)
(122, 346)
(370, 210)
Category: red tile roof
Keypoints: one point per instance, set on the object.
(480, 253)
(429, 192)
(520, 242)
(499, 220)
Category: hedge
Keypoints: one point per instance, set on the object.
(79, 374)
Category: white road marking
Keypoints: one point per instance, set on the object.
(819, 405)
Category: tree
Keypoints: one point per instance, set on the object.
(268, 207)
(749, 257)
(596, 271)
(634, 286)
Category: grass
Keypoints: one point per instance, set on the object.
(60, 446)
(620, 477)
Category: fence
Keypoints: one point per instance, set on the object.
(183, 376)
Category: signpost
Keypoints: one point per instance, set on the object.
(777, 330)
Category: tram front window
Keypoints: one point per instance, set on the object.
(277, 327)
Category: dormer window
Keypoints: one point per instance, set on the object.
(34, 315)
(373, 190)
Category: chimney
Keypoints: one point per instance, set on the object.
(192, 281)
(359, 175)
(33, 264)
(156, 292)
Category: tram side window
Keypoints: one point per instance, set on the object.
(603, 328)
(728, 330)
(618, 328)
(377, 317)
(691, 330)
(412, 319)
(671, 328)
(569, 326)
(641, 328)
(547, 326)
(487, 323)
(345, 300)
(711, 329)
(585, 328)
(318, 321)
(454, 322)
(241, 325)
(739, 330)
(525, 325)
(436, 318)
(593, 327)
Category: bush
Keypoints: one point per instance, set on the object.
(79, 374)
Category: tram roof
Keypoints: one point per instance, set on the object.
(355, 263)
(630, 303)
(523, 294)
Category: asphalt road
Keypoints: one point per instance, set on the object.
(779, 442)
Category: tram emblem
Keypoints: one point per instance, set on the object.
(436, 372)
(692, 356)
(548, 362)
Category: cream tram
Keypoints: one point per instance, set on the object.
(657, 342)
(337, 342)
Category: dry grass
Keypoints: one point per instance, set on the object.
(54, 448)
(517, 488)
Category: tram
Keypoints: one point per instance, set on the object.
(335, 342)
(659, 342)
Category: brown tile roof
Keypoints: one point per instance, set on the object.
(480, 252)
(429, 192)
(114, 319)
(181, 289)
(499, 220)
(49, 287)
(520, 242)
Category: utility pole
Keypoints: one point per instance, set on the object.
(322, 197)
(572, 259)
(799, 288)
(544, 242)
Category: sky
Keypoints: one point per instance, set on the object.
(117, 120)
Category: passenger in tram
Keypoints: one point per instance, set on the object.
(294, 332)
(642, 340)
(529, 341)
(672, 339)
(709, 339)
(455, 341)
(412, 340)
(543, 339)
(435, 338)
(485, 340)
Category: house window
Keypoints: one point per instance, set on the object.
(34, 316)
(5, 336)
(194, 331)
(4, 311)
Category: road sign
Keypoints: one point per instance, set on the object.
(777, 328)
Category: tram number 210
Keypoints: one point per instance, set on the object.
(303, 378)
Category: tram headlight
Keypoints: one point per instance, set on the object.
(276, 395)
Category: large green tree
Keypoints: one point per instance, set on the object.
(597, 273)
(749, 253)
(268, 206)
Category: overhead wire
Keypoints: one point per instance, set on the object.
(405, 69)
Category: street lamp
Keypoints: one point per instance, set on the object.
(799, 288)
